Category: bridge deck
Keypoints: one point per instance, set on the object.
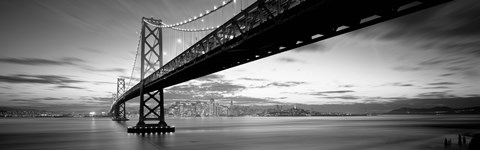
(272, 27)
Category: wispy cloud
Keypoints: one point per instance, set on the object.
(53, 98)
(69, 87)
(443, 83)
(332, 92)
(244, 100)
(39, 79)
(252, 79)
(437, 87)
(314, 47)
(446, 74)
(210, 77)
(70, 61)
(88, 49)
(281, 84)
(398, 84)
(289, 60)
(346, 86)
(221, 87)
(41, 62)
(21, 100)
(103, 82)
(203, 90)
(325, 93)
(341, 97)
(37, 100)
(451, 30)
(59, 81)
(438, 21)
(119, 70)
(442, 94)
(406, 68)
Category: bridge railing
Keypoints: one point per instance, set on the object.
(254, 15)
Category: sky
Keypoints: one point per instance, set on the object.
(67, 55)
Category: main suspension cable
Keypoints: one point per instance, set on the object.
(194, 18)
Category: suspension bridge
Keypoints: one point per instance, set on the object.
(235, 33)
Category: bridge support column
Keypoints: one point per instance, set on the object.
(151, 102)
(119, 113)
(152, 109)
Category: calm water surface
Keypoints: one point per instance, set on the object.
(301, 133)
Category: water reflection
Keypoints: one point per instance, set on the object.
(380, 132)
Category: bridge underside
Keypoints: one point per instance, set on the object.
(316, 21)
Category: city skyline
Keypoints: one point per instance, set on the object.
(68, 55)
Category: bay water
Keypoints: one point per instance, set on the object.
(392, 132)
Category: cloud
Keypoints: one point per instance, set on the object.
(446, 74)
(406, 68)
(466, 65)
(58, 62)
(206, 87)
(454, 19)
(443, 94)
(21, 100)
(103, 82)
(119, 70)
(346, 86)
(288, 60)
(41, 62)
(281, 84)
(210, 77)
(69, 87)
(437, 87)
(38, 100)
(38, 79)
(341, 97)
(451, 30)
(60, 81)
(85, 104)
(443, 61)
(252, 79)
(313, 47)
(87, 49)
(331, 92)
(221, 87)
(443, 83)
(202, 90)
(400, 84)
(53, 98)
(243, 100)
(100, 100)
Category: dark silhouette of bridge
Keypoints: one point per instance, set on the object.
(265, 28)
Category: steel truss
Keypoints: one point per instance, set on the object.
(274, 17)
(151, 45)
(120, 113)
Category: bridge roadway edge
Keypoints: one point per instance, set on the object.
(299, 27)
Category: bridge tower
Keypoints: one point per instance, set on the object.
(151, 103)
(119, 113)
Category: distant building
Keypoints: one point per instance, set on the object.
(197, 109)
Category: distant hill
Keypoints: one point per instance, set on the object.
(437, 110)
